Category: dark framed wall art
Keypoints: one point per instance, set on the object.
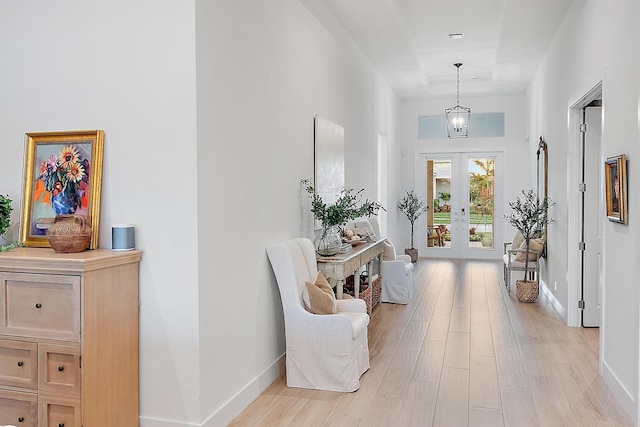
(615, 176)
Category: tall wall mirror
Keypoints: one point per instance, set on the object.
(542, 180)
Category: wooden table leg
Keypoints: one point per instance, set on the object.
(356, 285)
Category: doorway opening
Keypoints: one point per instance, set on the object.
(585, 257)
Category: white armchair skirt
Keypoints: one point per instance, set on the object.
(397, 280)
(330, 352)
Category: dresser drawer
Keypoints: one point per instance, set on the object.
(18, 364)
(18, 409)
(40, 305)
(55, 411)
(59, 369)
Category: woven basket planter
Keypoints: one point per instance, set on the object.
(413, 253)
(527, 290)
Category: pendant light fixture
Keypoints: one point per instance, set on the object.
(457, 117)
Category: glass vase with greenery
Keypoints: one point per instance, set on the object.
(348, 206)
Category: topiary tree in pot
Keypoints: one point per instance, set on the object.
(412, 207)
(529, 216)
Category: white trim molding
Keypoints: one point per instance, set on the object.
(234, 406)
(621, 394)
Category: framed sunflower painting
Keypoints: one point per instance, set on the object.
(62, 176)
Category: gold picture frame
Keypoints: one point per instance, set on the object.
(62, 175)
(615, 175)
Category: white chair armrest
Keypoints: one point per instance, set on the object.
(403, 258)
(352, 305)
(513, 253)
(324, 329)
(505, 247)
(524, 251)
(396, 264)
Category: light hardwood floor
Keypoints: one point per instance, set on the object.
(462, 353)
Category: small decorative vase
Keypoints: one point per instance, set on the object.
(69, 234)
(328, 241)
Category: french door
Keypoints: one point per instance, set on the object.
(464, 195)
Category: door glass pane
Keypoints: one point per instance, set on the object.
(481, 125)
(481, 196)
(439, 195)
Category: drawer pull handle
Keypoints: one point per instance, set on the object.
(21, 419)
(38, 305)
(60, 368)
(20, 364)
(61, 425)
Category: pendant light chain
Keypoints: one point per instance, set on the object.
(458, 83)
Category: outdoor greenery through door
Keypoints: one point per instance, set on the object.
(471, 215)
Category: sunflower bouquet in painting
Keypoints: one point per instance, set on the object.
(65, 176)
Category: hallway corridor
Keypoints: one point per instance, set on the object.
(462, 353)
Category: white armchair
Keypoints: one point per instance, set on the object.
(397, 276)
(325, 352)
(396, 270)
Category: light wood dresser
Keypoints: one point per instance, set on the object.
(69, 338)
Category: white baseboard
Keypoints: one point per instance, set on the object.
(155, 422)
(621, 394)
(562, 311)
(232, 408)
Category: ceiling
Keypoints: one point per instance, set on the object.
(408, 41)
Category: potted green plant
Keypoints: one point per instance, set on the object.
(529, 216)
(5, 216)
(348, 206)
(412, 207)
(445, 196)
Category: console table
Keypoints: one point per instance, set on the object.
(338, 267)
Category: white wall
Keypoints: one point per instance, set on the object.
(515, 145)
(264, 70)
(127, 67)
(596, 43)
(208, 181)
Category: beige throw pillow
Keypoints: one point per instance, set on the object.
(518, 238)
(318, 297)
(535, 249)
(389, 253)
